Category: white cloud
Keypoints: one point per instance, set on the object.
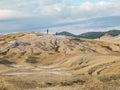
(98, 8)
(7, 14)
(66, 11)
(51, 10)
(48, 2)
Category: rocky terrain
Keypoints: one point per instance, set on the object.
(36, 61)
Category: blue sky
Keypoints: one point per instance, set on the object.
(76, 16)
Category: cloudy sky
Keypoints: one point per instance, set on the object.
(76, 16)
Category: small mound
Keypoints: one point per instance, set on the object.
(106, 36)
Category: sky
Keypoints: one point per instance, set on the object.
(75, 16)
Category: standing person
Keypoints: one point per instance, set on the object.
(47, 31)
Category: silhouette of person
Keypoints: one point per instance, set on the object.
(47, 31)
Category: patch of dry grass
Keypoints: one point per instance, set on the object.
(110, 77)
(6, 86)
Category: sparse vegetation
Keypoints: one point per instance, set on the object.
(6, 86)
(108, 78)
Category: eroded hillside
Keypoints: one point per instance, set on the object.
(56, 61)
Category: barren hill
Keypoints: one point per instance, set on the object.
(51, 58)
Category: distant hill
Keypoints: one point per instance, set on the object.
(92, 35)
(67, 34)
